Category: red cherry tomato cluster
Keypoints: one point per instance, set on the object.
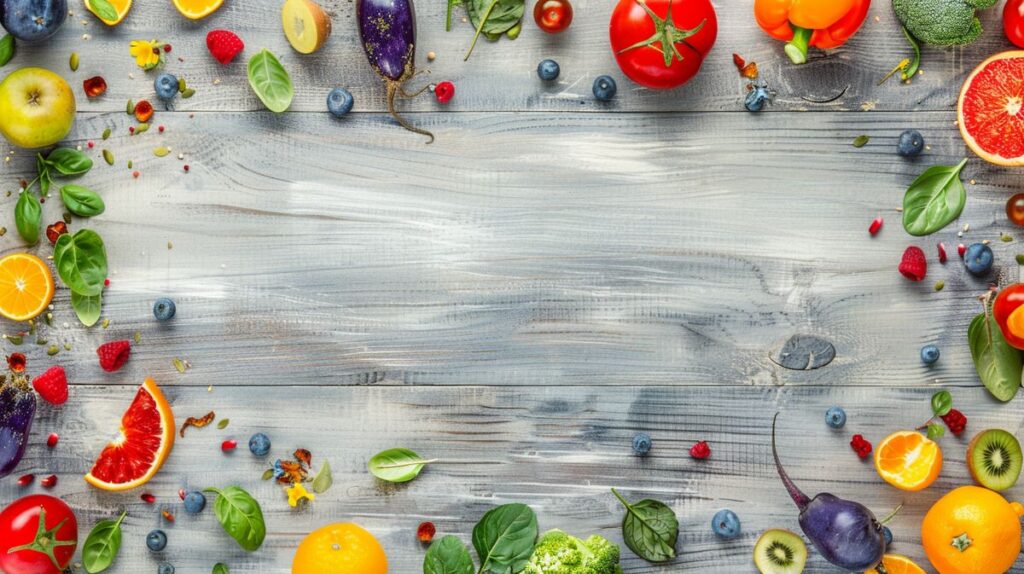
(552, 16)
(1013, 21)
(1008, 314)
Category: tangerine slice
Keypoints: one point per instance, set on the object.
(26, 286)
(991, 109)
(197, 9)
(896, 564)
(908, 460)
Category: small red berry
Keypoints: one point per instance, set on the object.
(114, 355)
(147, 498)
(91, 144)
(913, 266)
(186, 168)
(42, 200)
(135, 174)
(167, 48)
(161, 129)
(51, 441)
(942, 252)
(425, 532)
(700, 451)
(106, 282)
(876, 225)
(49, 482)
(961, 249)
(956, 421)
(16, 362)
(26, 479)
(444, 92)
(861, 446)
(131, 129)
(229, 445)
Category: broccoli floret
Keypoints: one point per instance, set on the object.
(942, 22)
(561, 553)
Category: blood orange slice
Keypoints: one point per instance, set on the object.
(140, 447)
(991, 109)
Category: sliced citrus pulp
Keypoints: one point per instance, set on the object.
(896, 564)
(991, 109)
(122, 7)
(141, 445)
(26, 286)
(197, 9)
(908, 460)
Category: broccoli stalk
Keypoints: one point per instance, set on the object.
(560, 553)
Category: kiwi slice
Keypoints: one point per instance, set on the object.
(994, 458)
(780, 552)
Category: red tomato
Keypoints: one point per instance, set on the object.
(38, 535)
(552, 16)
(1009, 315)
(1013, 21)
(661, 50)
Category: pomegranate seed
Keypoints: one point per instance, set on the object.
(135, 174)
(95, 87)
(167, 48)
(106, 282)
(131, 129)
(49, 482)
(425, 532)
(51, 441)
(229, 445)
(160, 129)
(961, 249)
(148, 498)
(875, 225)
(186, 167)
(181, 493)
(42, 200)
(942, 252)
(167, 516)
(26, 479)
(16, 362)
(91, 144)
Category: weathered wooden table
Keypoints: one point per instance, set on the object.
(550, 277)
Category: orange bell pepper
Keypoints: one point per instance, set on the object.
(802, 23)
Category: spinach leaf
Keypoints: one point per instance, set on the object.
(81, 201)
(503, 16)
(650, 529)
(934, 199)
(448, 556)
(942, 403)
(241, 516)
(104, 9)
(6, 49)
(87, 307)
(504, 538)
(220, 568)
(102, 545)
(27, 215)
(270, 81)
(397, 465)
(69, 161)
(81, 261)
(998, 364)
(324, 479)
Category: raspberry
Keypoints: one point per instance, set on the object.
(52, 385)
(114, 355)
(956, 421)
(700, 451)
(444, 92)
(224, 45)
(913, 266)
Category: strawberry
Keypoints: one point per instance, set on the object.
(913, 266)
(114, 355)
(52, 385)
(224, 45)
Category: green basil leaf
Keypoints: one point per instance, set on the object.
(87, 307)
(324, 479)
(240, 516)
(504, 538)
(81, 261)
(81, 201)
(448, 556)
(27, 215)
(69, 161)
(102, 545)
(397, 465)
(934, 200)
(104, 9)
(270, 81)
(935, 430)
(44, 175)
(6, 49)
(998, 364)
(942, 403)
(220, 568)
(503, 16)
(650, 529)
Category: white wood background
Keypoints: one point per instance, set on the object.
(550, 277)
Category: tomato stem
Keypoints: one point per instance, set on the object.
(796, 48)
(666, 34)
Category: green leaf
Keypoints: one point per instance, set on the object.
(44, 175)
(6, 49)
(270, 81)
(240, 516)
(942, 403)
(102, 545)
(397, 465)
(220, 568)
(934, 199)
(861, 141)
(935, 430)
(998, 364)
(81, 201)
(910, 71)
(324, 479)
(104, 9)
(502, 18)
(87, 307)
(81, 261)
(69, 161)
(448, 556)
(504, 538)
(27, 215)
(650, 529)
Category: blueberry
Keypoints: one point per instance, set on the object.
(339, 102)
(911, 143)
(887, 534)
(156, 540)
(978, 259)
(259, 444)
(164, 309)
(165, 568)
(726, 524)
(605, 88)
(835, 417)
(166, 86)
(195, 502)
(548, 70)
(642, 443)
(757, 98)
(929, 354)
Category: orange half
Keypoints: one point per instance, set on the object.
(896, 564)
(141, 445)
(908, 460)
(197, 9)
(26, 286)
(122, 7)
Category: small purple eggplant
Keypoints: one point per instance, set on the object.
(846, 533)
(17, 409)
(387, 30)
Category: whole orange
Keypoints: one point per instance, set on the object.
(342, 547)
(972, 530)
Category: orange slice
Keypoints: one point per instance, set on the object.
(140, 447)
(896, 564)
(26, 286)
(122, 7)
(908, 460)
(991, 109)
(197, 9)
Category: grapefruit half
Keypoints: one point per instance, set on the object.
(142, 444)
(991, 109)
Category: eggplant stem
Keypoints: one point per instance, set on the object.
(407, 95)
(393, 88)
(795, 493)
(891, 515)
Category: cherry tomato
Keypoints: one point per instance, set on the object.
(1015, 209)
(661, 50)
(552, 16)
(1013, 21)
(38, 535)
(1009, 315)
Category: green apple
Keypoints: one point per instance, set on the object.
(37, 108)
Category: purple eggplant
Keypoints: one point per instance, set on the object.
(387, 30)
(846, 533)
(17, 409)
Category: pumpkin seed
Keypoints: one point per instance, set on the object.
(74, 61)
(108, 156)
